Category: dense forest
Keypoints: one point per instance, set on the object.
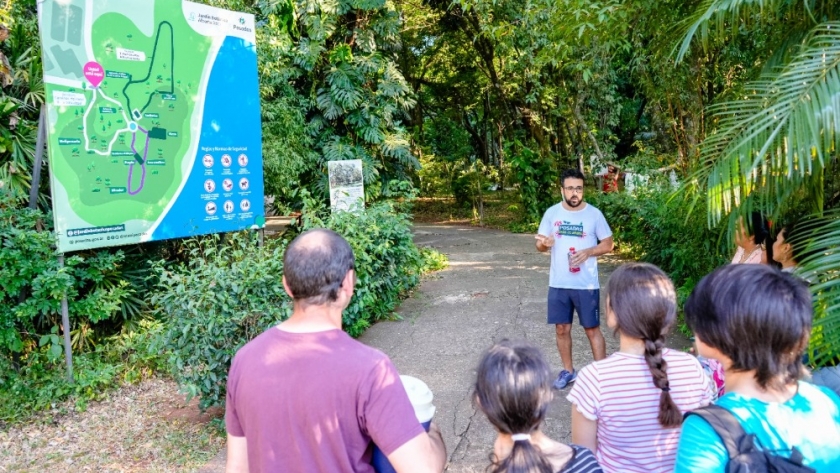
(737, 102)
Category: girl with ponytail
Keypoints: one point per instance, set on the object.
(628, 408)
(513, 389)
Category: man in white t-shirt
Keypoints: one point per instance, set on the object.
(573, 279)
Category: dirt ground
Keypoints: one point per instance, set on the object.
(143, 428)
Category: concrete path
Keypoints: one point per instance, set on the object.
(495, 288)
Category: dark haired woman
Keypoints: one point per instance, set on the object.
(756, 321)
(789, 247)
(752, 240)
(513, 389)
(628, 407)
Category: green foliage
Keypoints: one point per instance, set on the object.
(777, 140)
(537, 177)
(34, 284)
(774, 145)
(227, 293)
(21, 96)
(659, 227)
(231, 291)
(37, 381)
(287, 146)
(104, 290)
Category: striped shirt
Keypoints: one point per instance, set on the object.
(583, 461)
(618, 392)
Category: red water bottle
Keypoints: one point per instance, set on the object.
(572, 269)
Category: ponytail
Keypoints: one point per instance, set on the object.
(669, 414)
(513, 389)
(523, 458)
(644, 302)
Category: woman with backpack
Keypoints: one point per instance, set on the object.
(628, 407)
(513, 389)
(756, 321)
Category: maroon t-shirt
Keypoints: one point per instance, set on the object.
(314, 402)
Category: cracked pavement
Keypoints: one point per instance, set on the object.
(495, 287)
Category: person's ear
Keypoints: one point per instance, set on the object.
(349, 282)
(286, 287)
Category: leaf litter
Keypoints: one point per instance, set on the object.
(147, 427)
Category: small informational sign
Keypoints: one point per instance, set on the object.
(347, 187)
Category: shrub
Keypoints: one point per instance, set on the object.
(537, 176)
(38, 381)
(232, 290)
(33, 285)
(659, 227)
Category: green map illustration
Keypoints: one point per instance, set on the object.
(122, 152)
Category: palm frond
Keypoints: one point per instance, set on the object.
(714, 17)
(781, 133)
(820, 238)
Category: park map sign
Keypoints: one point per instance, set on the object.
(153, 120)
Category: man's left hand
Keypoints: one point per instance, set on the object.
(580, 257)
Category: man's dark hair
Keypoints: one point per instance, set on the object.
(757, 316)
(315, 265)
(570, 173)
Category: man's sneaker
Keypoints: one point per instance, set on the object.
(564, 378)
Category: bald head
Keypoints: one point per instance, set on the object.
(315, 265)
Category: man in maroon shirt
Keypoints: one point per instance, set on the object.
(304, 396)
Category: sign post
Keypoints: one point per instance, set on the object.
(39, 158)
(65, 327)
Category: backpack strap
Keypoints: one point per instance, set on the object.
(726, 425)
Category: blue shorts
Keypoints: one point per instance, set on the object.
(563, 302)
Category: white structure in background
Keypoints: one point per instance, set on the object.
(633, 180)
(672, 177)
(347, 186)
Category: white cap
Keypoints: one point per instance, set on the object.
(420, 396)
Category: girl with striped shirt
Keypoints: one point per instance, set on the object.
(628, 408)
(513, 389)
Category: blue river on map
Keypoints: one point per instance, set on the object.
(231, 119)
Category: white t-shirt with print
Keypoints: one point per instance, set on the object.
(578, 229)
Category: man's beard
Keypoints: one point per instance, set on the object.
(573, 205)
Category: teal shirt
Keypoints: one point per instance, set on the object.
(810, 421)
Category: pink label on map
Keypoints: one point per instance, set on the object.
(94, 73)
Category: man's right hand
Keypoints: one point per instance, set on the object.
(425, 453)
(544, 242)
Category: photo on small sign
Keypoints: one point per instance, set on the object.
(346, 173)
(347, 190)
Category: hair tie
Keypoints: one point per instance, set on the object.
(518, 437)
(666, 389)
